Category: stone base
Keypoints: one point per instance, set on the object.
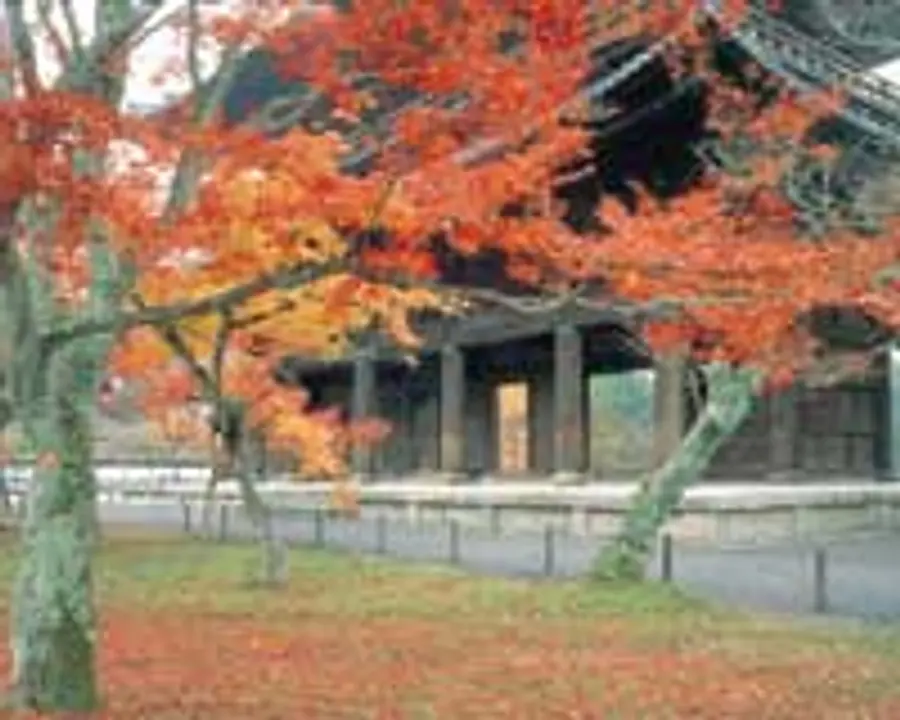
(729, 513)
(444, 477)
(568, 478)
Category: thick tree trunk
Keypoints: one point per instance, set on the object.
(731, 398)
(53, 618)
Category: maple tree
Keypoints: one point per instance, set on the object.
(116, 221)
(258, 241)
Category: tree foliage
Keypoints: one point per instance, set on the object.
(257, 225)
(201, 250)
(116, 223)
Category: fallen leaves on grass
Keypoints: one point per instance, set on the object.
(182, 636)
(167, 665)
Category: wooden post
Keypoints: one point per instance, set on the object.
(452, 412)
(670, 405)
(186, 516)
(318, 527)
(455, 554)
(363, 406)
(223, 522)
(549, 551)
(891, 433)
(820, 580)
(381, 534)
(496, 526)
(783, 407)
(568, 405)
(665, 557)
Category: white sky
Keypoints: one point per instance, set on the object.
(157, 73)
(889, 71)
(168, 47)
(161, 50)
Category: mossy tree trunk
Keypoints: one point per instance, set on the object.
(53, 618)
(732, 394)
(53, 387)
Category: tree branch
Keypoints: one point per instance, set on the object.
(75, 35)
(54, 35)
(215, 303)
(193, 45)
(23, 46)
(189, 168)
(220, 345)
(175, 340)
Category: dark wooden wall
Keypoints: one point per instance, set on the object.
(827, 432)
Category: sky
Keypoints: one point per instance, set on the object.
(161, 50)
(889, 71)
(168, 47)
(157, 73)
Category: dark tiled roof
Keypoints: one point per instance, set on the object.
(811, 16)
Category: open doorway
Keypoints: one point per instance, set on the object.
(621, 422)
(513, 427)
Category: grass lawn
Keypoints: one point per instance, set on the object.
(185, 636)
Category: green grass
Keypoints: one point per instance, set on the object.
(374, 618)
(164, 572)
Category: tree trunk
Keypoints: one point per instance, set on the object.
(217, 472)
(250, 471)
(53, 618)
(731, 398)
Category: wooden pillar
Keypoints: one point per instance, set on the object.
(423, 391)
(452, 412)
(892, 416)
(783, 406)
(568, 405)
(540, 406)
(670, 406)
(478, 430)
(363, 400)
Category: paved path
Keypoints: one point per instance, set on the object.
(863, 573)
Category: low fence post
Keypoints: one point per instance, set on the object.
(549, 551)
(820, 580)
(453, 527)
(381, 534)
(318, 527)
(223, 522)
(495, 521)
(186, 516)
(665, 557)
